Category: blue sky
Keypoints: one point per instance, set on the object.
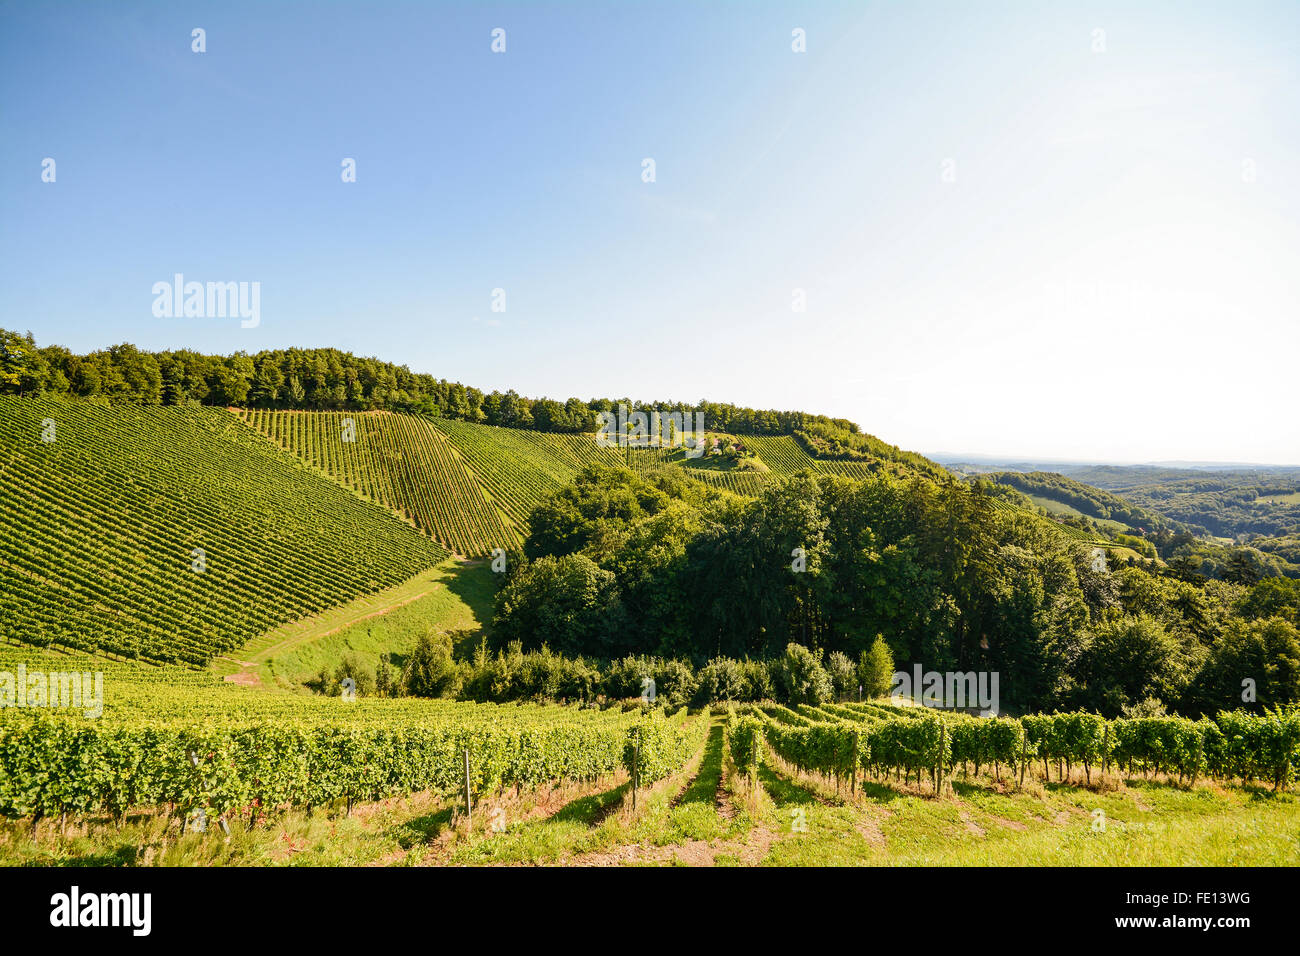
(1015, 235)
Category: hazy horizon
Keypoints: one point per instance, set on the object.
(1084, 247)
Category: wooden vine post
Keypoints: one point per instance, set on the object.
(938, 773)
(636, 766)
(468, 805)
(1024, 753)
(853, 771)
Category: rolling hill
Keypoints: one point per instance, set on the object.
(173, 534)
(199, 529)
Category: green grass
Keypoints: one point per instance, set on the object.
(379, 834)
(454, 596)
(1291, 499)
(1052, 506)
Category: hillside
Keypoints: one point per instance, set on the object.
(291, 518)
(1069, 496)
(399, 461)
(173, 534)
(1227, 503)
(200, 529)
(519, 468)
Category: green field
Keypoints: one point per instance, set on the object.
(1052, 506)
(454, 596)
(1292, 499)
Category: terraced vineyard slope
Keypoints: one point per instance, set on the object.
(174, 534)
(400, 461)
(518, 468)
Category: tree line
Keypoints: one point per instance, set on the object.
(330, 379)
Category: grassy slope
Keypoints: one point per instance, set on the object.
(456, 595)
(1052, 506)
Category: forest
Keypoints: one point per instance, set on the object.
(624, 563)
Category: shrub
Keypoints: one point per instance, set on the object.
(721, 679)
(803, 679)
(430, 669)
(843, 675)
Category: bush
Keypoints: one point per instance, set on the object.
(803, 679)
(843, 675)
(625, 678)
(674, 683)
(430, 670)
(674, 680)
(719, 681)
(760, 679)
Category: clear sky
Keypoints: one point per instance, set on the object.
(1015, 234)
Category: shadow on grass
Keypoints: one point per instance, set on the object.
(878, 792)
(784, 792)
(120, 856)
(422, 829)
(704, 788)
(474, 583)
(1264, 793)
(592, 809)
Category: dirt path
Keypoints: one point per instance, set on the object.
(246, 676)
(748, 850)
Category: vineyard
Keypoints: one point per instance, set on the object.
(399, 461)
(841, 741)
(294, 752)
(836, 783)
(124, 680)
(519, 469)
(174, 534)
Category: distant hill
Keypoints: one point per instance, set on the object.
(1212, 500)
(1235, 504)
(1048, 489)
